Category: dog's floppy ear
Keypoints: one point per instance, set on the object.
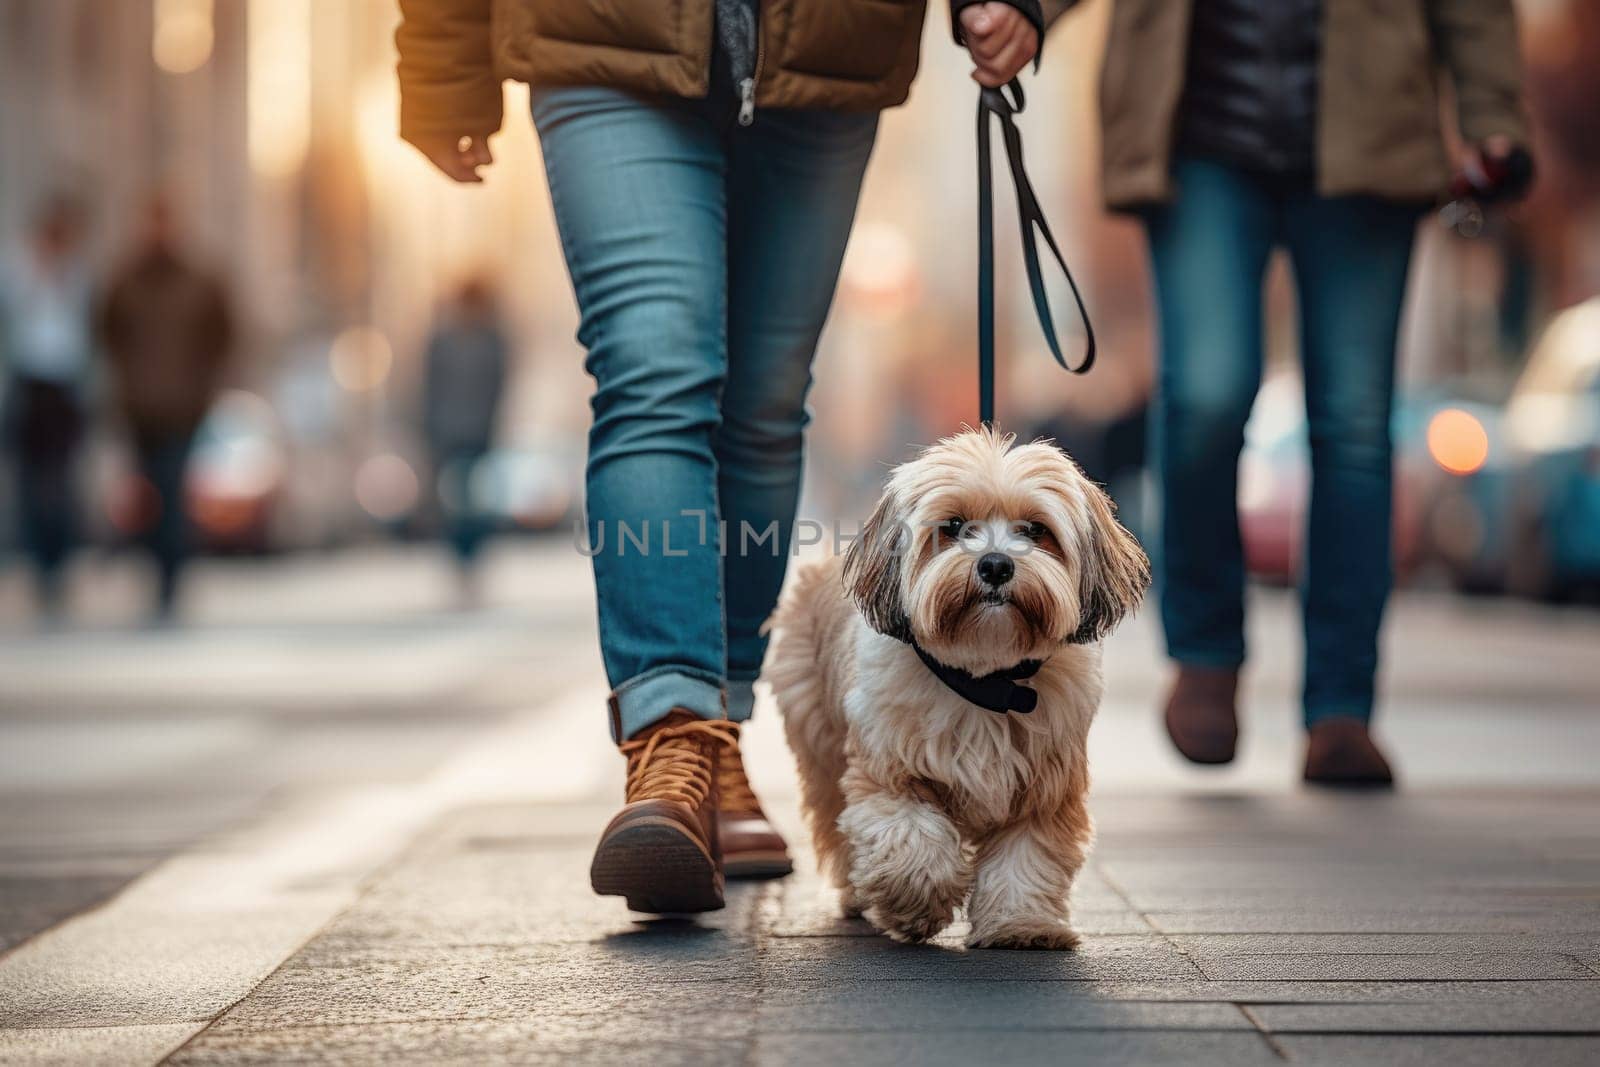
(872, 569)
(1115, 571)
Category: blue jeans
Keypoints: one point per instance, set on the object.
(704, 257)
(1209, 249)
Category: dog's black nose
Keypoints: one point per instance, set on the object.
(995, 568)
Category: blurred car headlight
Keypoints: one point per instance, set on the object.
(1457, 441)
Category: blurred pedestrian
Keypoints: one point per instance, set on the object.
(704, 160)
(1235, 127)
(46, 351)
(167, 328)
(464, 378)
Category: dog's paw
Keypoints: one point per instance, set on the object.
(1051, 935)
(911, 926)
(908, 872)
(910, 912)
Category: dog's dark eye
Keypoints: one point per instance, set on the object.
(952, 528)
(1037, 531)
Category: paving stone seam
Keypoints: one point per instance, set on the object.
(1411, 1031)
(9, 1028)
(366, 885)
(772, 896)
(1105, 876)
(421, 836)
(850, 1031)
(1381, 981)
(1479, 954)
(1255, 1023)
(1290, 1002)
(1261, 1030)
(98, 905)
(795, 1030)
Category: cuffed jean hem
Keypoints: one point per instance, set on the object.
(1359, 712)
(647, 698)
(741, 699)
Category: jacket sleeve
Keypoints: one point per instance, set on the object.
(1476, 43)
(1054, 9)
(448, 83)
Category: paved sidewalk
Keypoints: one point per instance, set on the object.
(1313, 928)
(360, 834)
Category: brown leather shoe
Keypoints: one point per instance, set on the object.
(661, 850)
(751, 847)
(1340, 752)
(1201, 716)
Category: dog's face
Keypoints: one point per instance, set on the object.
(988, 552)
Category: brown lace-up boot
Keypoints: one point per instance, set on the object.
(751, 847)
(661, 851)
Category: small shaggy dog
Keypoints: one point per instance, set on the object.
(937, 686)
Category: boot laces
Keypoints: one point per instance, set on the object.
(733, 787)
(676, 762)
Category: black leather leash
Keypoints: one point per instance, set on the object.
(995, 102)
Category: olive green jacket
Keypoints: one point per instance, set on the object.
(1379, 128)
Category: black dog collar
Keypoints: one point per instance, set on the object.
(998, 692)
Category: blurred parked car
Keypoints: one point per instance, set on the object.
(528, 487)
(234, 483)
(236, 475)
(513, 488)
(1275, 482)
(1517, 505)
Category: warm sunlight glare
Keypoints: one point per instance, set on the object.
(183, 35)
(279, 87)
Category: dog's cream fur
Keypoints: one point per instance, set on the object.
(919, 801)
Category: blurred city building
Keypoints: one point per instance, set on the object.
(273, 123)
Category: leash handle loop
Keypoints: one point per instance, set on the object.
(997, 103)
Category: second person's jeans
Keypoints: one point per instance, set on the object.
(1350, 255)
(704, 257)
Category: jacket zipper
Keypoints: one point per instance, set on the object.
(747, 101)
(747, 86)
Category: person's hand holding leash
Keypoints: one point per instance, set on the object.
(1000, 39)
(1496, 171)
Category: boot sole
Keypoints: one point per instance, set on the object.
(1205, 749)
(1206, 756)
(1353, 784)
(658, 868)
(755, 865)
